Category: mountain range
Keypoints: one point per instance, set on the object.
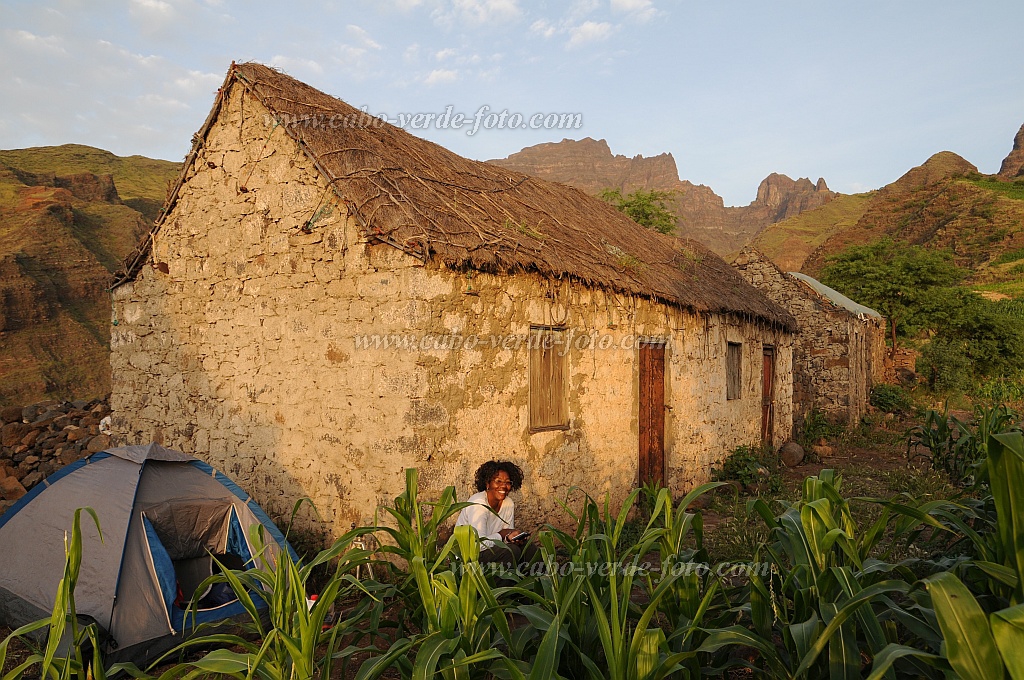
(589, 165)
(69, 214)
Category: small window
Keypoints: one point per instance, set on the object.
(733, 372)
(549, 408)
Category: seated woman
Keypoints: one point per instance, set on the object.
(493, 515)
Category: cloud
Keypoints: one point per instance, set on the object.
(71, 87)
(447, 52)
(477, 12)
(587, 32)
(441, 77)
(581, 8)
(51, 43)
(638, 10)
(296, 64)
(361, 37)
(158, 7)
(543, 28)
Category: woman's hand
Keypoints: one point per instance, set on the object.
(509, 534)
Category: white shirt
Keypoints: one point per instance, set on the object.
(483, 519)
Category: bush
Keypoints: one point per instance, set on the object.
(890, 398)
(753, 467)
(945, 366)
(817, 426)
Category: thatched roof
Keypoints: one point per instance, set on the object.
(443, 208)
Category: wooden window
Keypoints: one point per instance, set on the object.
(549, 406)
(733, 371)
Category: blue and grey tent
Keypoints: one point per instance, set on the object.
(163, 514)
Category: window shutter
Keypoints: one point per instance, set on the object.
(549, 408)
(733, 372)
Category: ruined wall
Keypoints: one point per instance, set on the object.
(837, 356)
(316, 364)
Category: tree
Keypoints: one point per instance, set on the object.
(646, 208)
(910, 286)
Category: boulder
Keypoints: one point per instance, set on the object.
(11, 434)
(75, 433)
(792, 454)
(11, 489)
(100, 442)
(31, 479)
(48, 415)
(31, 437)
(11, 414)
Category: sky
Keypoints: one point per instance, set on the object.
(855, 92)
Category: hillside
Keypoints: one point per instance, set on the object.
(68, 216)
(589, 164)
(944, 203)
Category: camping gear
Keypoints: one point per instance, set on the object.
(163, 514)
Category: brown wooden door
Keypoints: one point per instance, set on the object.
(652, 412)
(768, 395)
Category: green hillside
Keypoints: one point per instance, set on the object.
(141, 182)
(64, 229)
(944, 204)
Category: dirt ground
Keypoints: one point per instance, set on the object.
(873, 462)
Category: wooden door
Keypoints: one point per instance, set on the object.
(768, 395)
(652, 412)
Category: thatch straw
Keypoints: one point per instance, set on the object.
(444, 208)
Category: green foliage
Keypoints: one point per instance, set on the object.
(945, 367)
(816, 598)
(982, 332)
(890, 398)
(819, 601)
(1009, 256)
(1013, 190)
(959, 448)
(756, 468)
(907, 284)
(1001, 390)
(646, 208)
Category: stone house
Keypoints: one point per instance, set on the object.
(328, 300)
(839, 352)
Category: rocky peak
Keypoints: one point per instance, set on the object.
(588, 164)
(784, 197)
(82, 185)
(940, 166)
(1013, 165)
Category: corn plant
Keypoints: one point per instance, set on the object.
(464, 624)
(289, 640)
(608, 601)
(693, 602)
(72, 650)
(818, 590)
(957, 448)
(416, 534)
(977, 645)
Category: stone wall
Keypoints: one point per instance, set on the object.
(837, 356)
(38, 440)
(317, 364)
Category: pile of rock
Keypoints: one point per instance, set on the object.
(38, 440)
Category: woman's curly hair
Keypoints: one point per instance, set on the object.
(486, 472)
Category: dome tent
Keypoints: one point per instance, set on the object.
(162, 513)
